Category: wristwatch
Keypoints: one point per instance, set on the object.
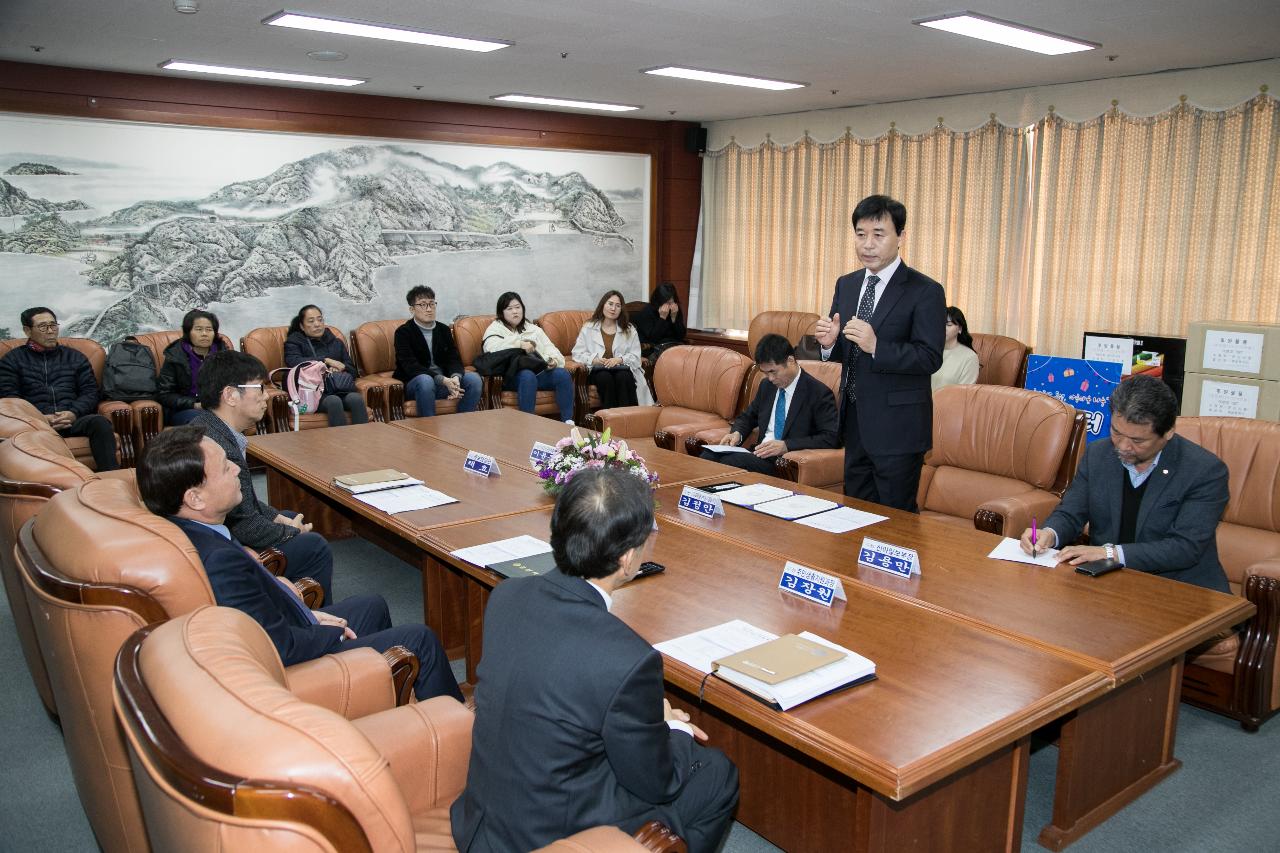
(1111, 551)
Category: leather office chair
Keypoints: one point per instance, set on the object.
(792, 325)
(468, 334)
(232, 758)
(95, 566)
(697, 388)
(373, 346)
(1239, 676)
(148, 415)
(120, 414)
(266, 344)
(562, 327)
(1001, 360)
(1001, 456)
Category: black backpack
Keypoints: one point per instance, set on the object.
(130, 372)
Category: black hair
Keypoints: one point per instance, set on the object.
(171, 463)
(774, 349)
(956, 316)
(1146, 400)
(226, 369)
(506, 299)
(416, 293)
(664, 293)
(624, 322)
(31, 313)
(601, 514)
(189, 322)
(878, 207)
(295, 325)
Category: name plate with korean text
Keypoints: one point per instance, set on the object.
(479, 463)
(884, 557)
(703, 503)
(811, 584)
(541, 452)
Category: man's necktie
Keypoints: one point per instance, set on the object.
(866, 307)
(780, 414)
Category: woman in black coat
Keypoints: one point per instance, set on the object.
(176, 388)
(660, 324)
(310, 340)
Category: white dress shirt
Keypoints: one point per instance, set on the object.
(786, 406)
(884, 274)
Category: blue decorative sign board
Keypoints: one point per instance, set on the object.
(1084, 385)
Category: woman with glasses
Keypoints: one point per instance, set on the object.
(510, 330)
(311, 340)
(176, 387)
(959, 361)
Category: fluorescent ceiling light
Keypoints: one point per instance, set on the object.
(299, 21)
(1006, 33)
(565, 102)
(202, 68)
(722, 77)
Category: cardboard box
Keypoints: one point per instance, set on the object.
(1227, 348)
(1230, 396)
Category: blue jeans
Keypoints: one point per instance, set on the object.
(556, 378)
(425, 390)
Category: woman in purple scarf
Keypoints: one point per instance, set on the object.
(181, 367)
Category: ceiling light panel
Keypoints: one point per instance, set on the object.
(706, 76)
(230, 71)
(565, 102)
(1006, 33)
(386, 32)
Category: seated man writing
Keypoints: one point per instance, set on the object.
(792, 411)
(1151, 498)
(571, 728)
(186, 477)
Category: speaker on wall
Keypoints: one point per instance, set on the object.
(695, 140)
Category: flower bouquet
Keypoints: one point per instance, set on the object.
(576, 453)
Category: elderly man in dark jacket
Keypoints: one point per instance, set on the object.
(59, 382)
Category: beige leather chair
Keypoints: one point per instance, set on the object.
(120, 414)
(697, 388)
(1001, 456)
(232, 758)
(148, 415)
(1239, 676)
(1001, 360)
(373, 346)
(562, 327)
(266, 344)
(95, 566)
(792, 325)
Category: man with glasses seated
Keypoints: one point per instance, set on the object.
(1151, 498)
(427, 359)
(58, 381)
(232, 399)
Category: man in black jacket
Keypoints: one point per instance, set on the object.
(427, 360)
(232, 399)
(58, 381)
(791, 411)
(186, 477)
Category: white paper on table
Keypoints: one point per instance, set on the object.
(796, 506)
(402, 483)
(754, 494)
(1010, 549)
(701, 648)
(392, 501)
(842, 519)
(725, 448)
(502, 550)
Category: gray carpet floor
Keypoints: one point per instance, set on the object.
(1225, 798)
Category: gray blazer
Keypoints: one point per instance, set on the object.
(1177, 521)
(252, 522)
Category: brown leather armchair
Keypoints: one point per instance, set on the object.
(1001, 456)
(562, 327)
(148, 415)
(95, 566)
(697, 388)
(1239, 675)
(792, 325)
(266, 344)
(120, 414)
(232, 758)
(1001, 360)
(373, 346)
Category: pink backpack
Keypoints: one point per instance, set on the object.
(304, 383)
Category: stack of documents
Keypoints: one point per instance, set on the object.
(374, 481)
(795, 506)
(754, 494)
(391, 491)
(502, 550)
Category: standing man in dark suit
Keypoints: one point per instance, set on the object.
(571, 729)
(427, 359)
(1151, 498)
(186, 477)
(890, 344)
(791, 411)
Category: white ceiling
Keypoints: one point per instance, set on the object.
(866, 50)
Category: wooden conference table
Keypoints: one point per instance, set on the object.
(972, 655)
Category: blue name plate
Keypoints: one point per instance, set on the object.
(811, 584)
(703, 503)
(541, 452)
(479, 463)
(884, 557)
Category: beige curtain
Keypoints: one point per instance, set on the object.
(1147, 224)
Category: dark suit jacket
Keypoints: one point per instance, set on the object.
(252, 522)
(414, 357)
(895, 399)
(1177, 520)
(239, 582)
(569, 731)
(811, 418)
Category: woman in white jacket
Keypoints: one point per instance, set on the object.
(609, 346)
(509, 331)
